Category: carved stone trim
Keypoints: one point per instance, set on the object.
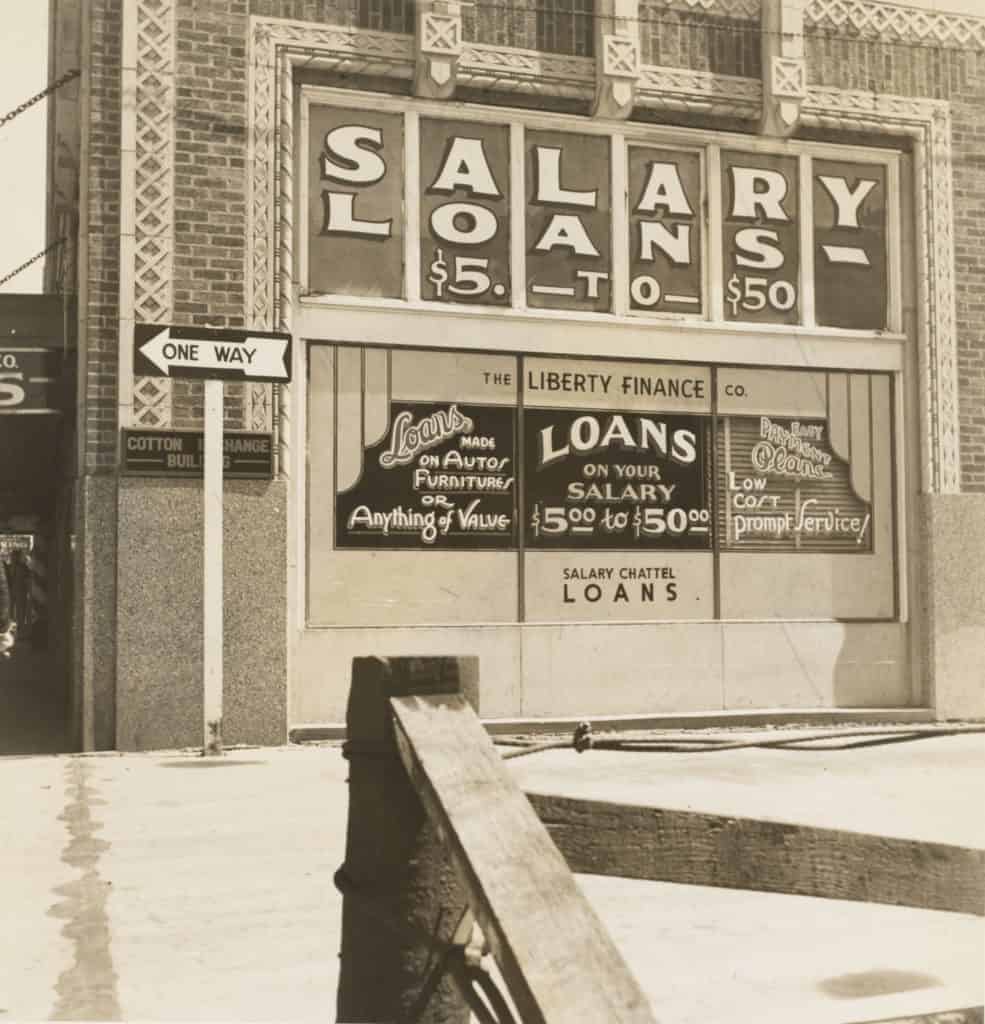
(699, 92)
(620, 57)
(617, 41)
(888, 21)
(439, 46)
(276, 45)
(784, 69)
(153, 189)
(788, 78)
(352, 51)
(740, 10)
(507, 69)
(441, 34)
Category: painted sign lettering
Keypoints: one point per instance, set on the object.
(665, 230)
(181, 453)
(615, 480)
(442, 477)
(761, 238)
(29, 380)
(465, 212)
(355, 194)
(569, 261)
(467, 191)
(784, 488)
(850, 288)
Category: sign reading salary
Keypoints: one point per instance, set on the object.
(162, 350)
(464, 198)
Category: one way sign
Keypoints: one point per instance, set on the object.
(166, 350)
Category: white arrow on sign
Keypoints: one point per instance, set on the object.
(252, 357)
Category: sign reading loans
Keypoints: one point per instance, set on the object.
(436, 472)
(209, 353)
(479, 181)
(619, 494)
(617, 486)
(615, 480)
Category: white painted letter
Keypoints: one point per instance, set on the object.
(465, 166)
(565, 230)
(359, 164)
(762, 247)
(548, 453)
(846, 201)
(675, 244)
(664, 189)
(747, 199)
(482, 223)
(549, 190)
(341, 220)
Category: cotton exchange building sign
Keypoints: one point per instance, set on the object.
(513, 215)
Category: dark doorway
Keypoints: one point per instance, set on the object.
(37, 430)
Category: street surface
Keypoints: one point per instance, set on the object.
(175, 888)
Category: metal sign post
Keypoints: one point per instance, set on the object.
(214, 356)
(212, 578)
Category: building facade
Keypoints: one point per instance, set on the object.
(637, 349)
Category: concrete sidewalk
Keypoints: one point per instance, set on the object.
(172, 888)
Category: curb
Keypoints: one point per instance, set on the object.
(320, 732)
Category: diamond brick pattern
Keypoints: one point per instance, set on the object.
(154, 191)
(151, 402)
(865, 18)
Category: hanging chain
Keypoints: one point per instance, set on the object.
(33, 259)
(56, 84)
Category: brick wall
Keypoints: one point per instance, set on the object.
(210, 162)
(968, 113)
(210, 183)
(101, 310)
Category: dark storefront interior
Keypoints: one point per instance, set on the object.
(36, 470)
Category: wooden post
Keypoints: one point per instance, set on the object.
(393, 854)
(558, 961)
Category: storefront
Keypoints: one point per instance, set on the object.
(623, 412)
(636, 350)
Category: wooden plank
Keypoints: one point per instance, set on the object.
(969, 1015)
(558, 961)
(602, 838)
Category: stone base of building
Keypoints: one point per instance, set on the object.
(159, 620)
(953, 585)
